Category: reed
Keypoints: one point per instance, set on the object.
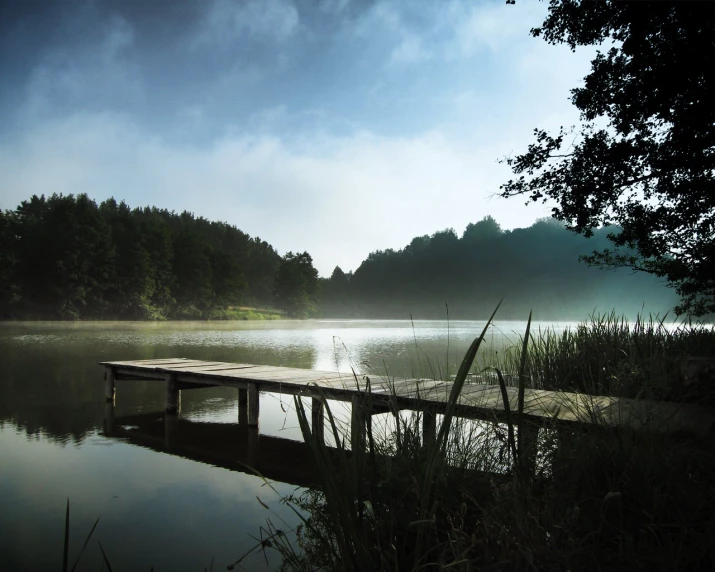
(597, 498)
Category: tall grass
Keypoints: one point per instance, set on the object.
(607, 355)
(597, 498)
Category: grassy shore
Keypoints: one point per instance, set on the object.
(247, 313)
(600, 499)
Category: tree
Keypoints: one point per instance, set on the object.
(297, 286)
(643, 158)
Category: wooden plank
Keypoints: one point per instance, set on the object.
(150, 363)
(419, 387)
(207, 365)
(262, 372)
(477, 400)
(295, 375)
(394, 386)
(336, 381)
(214, 369)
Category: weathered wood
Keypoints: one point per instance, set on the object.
(109, 385)
(243, 407)
(357, 422)
(429, 429)
(528, 443)
(173, 395)
(317, 419)
(171, 423)
(252, 446)
(253, 404)
(476, 401)
(109, 417)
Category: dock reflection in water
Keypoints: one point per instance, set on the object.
(231, 446)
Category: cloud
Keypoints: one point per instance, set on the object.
(96, 75)
(338, 198)
(387, 123)
(495, 26)
(226, 22)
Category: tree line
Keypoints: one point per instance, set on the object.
(531, 268)
(67, 257)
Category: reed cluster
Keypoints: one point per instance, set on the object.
(597, 498)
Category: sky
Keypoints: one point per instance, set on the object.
(337, 127)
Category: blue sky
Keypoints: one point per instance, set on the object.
(334, 126)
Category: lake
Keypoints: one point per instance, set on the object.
(184, 508)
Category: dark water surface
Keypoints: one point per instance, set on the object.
(172, 494)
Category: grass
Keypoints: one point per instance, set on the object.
(246, 313)
(596, 498)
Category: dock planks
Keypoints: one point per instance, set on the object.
(476, 400)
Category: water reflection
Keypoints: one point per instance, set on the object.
(53, 443)
(231, 446)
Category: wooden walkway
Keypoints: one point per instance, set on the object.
(371, 395)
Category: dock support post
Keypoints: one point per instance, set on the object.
(109, 385)
(317, 419)
(357, 423)
(242, 406)
(108, 418)
(429, 429)
(173, 395)
(252, 446)
(170, 429)
(253, 405)
(528, 441)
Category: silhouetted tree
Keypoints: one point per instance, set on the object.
(297, 286)
(66, 257)
(643, 158)
(532, 268)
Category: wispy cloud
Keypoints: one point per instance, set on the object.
(338, 198)
(226, 22)
(334, 127)
(88, 78)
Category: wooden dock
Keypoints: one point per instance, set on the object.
(371, 395)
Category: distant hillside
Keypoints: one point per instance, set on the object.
(532, 268)
(66, 257)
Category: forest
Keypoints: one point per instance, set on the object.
(67, 257)
(535, 268)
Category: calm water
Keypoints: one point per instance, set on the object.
(171, 495)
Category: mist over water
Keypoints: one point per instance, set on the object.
(54, 443)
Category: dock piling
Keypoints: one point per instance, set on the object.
(242, 406)
(109, 417)
(357, 422)
(528, 446)
(109, 385)
(429, 429)
(253, 404)
(317, 419)
(173, 395)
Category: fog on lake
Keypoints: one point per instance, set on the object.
(181, 510)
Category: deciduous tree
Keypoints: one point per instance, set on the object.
(643, 158)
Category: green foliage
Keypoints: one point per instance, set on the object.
(65, 257)
(297, 289)
(643, 156)
(530, 267)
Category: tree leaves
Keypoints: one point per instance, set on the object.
(651, 169)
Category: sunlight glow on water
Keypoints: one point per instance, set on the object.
(54, 447)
